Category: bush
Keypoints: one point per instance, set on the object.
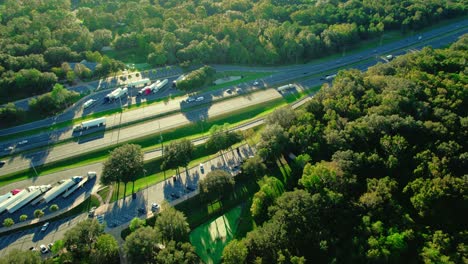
(197, 78)
(23, 218)
(38, 213)
(8, 222)
(54, 208)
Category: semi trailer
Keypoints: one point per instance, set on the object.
(89, 124)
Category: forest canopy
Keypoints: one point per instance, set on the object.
(46, 35)
(385, 180)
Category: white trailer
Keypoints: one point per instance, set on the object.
(34, 191)
(286, 87)
(81, 182)
(89, 124)
(13, 199)
(158, 85)
(116, 94)
(5, 197)
(147, 89)
(58, 190)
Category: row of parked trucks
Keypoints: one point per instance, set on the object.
(16, 199)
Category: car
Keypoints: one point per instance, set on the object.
(33, 248)
(155, 207)
(199, 99)
(92, 211)
(45, 226)
(190, 188)
(2, 162)
(89, 103)
(229, 91)
(389, 57)
(202, 169)
(190, 100)
(23, 142)
(239, 90)
(50, 245)
(10, 148)
(420, 37)
(44, 249)
(256, 83)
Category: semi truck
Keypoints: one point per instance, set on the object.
(116, 94)
(154, 87)
(89, 124)
(284, 88)
(159, 85)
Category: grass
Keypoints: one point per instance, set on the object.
(104, 193)
(210, 238)
(190, 131)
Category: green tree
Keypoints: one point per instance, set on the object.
(284, 117)
(23, 217)
(273, 140)
(142, 245)
(18, 256)
(136, 223)
(53, 208)
(177, 252)
(8, 222)
(80, 239)
(172, 225)
(38, 213)
(105, 250)
(254, 167)
(216, 184)
(235, 252)
(124, 164)
(270, 189)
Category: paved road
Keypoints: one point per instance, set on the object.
(122, 211)
(290, 71)
(41, 157)
(79, 146)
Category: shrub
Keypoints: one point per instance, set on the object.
(8, 222)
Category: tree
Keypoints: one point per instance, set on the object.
(273, 140)
(105, 250)
(142, 245)
(177, 252)
(124, 164)
(38, 213)
(136, 223)
(235, 252)
(284, 117)
(53, 208)
(80, 239)
(221, 138)
(18, 256)
(172, 225)
(23, 217)
(254, 167)
(216, 184)
(8, 222)
(270, 189)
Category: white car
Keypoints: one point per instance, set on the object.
(44, 249)
(256, 83)
(44, 227)
(199, 99)
(22, 142)
(155, 207)
(189, 100)
(89, 103)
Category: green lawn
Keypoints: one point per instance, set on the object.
(210, 238)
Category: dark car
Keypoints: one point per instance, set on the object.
(2, 162)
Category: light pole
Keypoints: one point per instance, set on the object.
(34, 168)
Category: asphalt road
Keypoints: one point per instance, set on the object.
(122, 211)
(290, 71)
(41, 157)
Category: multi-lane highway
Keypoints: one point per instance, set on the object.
(359, 60)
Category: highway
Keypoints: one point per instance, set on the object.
(27, 238)
(369, 58)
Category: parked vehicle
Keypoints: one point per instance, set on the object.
(199, 99)
(155, 207)
(89, 124)
(286, 87)
(202, 168)
(45, 226)
(116, 94)
(190, 100)
(44, 249)
(89, 103)
(2, 162)
(23, 142)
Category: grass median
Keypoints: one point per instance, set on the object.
(191, 131)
